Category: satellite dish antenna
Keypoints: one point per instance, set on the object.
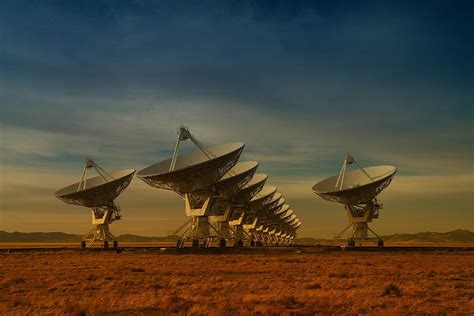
(255, 207)
(262, 198)
(243, 197)
(357, 191)
(286, 215)
(226, 190)
(291, 218)
(254, 186)
(273, 202)
(98, 193)
(276, 209)
(239, 210)
(193, 176)
(268, 228)
(228, 186)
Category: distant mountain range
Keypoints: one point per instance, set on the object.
(63, 237)
(455, 236)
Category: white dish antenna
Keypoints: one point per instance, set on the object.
(195, 171)
(99, 194)
(357, 190)
(287, 213)
(273, 202)
(235, 180)
(228, 186)
(291, 218)
(254, 186)
(276, 209)
(283, 210)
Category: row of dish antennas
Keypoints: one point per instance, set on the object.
(226, 200)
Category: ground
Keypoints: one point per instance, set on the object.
(271, 281)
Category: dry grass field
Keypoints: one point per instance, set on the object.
(292, 281)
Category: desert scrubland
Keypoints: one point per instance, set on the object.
(291, 281)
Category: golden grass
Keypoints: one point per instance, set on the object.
(150, 282)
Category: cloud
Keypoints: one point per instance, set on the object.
(300, 85)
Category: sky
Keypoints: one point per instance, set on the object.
(301, 83)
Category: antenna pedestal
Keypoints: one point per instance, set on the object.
(250, 229)
(102, 216)
(240, 231)
(199, 227)
(222, 225)
(223, 229)
(359, 216)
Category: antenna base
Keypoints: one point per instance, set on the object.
(102, 216)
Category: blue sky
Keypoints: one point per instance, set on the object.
(301, 83)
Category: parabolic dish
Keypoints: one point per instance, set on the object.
(98, 192)
(276, 209)
(287, 214)
(293, 222)
(292, 218)
(273, 202)
(282, 212)
(235, 179)
(254, 186)
(295, 226)
(262, 198)
(357, 187)
(193, 171)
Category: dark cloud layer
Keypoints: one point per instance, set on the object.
(301, 82)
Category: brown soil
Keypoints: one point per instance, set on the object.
(285, 282)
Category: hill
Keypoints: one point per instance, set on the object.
(455, 236)
(63, 237)
(38, 237)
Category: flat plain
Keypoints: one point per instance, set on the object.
(260, 281)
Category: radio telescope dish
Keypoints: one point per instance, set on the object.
(273, 202)
(99, 194)
(254, 186)
(230, 184)
(298, 224)
(282, 211)
(237, 177)
(291, 218)
(358, 186)
(200, 177)
(276, 209)
(223, 209)
(97, 191)
(292, 222)
(195, 171)
(262, 198)
(288, 213)
(357, 191)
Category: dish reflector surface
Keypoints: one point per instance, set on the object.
(262, 198)
(193, 171)
(254, 186)
(357, 187)
(288, 212)
(236, 178)
(292, 218)
(98, 192)
(274, 201)
(283, 209)
(276, 209)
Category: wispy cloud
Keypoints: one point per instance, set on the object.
(301, 86)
